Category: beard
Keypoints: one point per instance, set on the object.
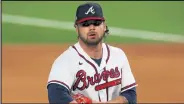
(91, 42)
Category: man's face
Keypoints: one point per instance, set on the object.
(91, 32)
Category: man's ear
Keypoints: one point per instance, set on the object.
(105, 26)
(76, 28)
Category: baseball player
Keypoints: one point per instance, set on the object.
(91, 71)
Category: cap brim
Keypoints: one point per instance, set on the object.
(90, 18)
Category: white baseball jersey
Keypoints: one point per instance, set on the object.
(77, 72)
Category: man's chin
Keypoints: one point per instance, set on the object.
(92, 43)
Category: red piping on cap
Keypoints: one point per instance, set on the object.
(90, 18)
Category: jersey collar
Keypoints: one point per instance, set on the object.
(83, 54)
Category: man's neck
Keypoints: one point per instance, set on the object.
(94, 51)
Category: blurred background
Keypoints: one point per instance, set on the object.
(151, 33)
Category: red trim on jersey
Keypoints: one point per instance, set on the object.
(86, 59)
(108, 53)
(126, 87)
(59, 83)
(108, 84)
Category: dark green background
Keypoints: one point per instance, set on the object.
(156, 16)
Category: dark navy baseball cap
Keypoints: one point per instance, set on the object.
(89, 11)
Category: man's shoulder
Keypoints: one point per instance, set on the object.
(68, 55)
(115, 49)
(117, 52)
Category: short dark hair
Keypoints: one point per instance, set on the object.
(107, 30)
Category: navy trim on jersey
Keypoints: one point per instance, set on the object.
(107, 91)
(58, 94)
(59, 82)
(86, 59)
(108, 53)
(129, 86)
(130, 95)
(87, 62)
(99, 98)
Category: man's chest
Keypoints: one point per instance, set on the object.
(90, 75)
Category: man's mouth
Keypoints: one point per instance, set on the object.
(92, 35)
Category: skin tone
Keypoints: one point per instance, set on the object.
(90, 39)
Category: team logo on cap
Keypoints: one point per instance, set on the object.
(91, 9)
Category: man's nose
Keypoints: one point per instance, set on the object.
(91, 27)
